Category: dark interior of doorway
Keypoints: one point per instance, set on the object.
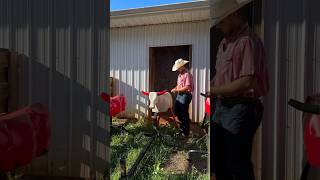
(161, 61)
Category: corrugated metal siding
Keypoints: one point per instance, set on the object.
(290, 33)
(129, 59)
(64, 54)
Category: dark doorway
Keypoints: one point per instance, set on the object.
(161, 76)
(161, 61)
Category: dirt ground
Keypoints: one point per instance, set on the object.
(182, 161)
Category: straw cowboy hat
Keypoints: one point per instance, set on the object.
(220, 9)
(178, 64)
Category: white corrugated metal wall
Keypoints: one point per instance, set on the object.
(291, 35)
(129, 59)
(63, 46)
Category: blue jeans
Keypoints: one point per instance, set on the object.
(181, 109)
(231, 141)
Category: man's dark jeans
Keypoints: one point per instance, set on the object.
(231, 141)
(181, 110)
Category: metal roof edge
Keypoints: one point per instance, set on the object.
(197, 21)
(154, 10)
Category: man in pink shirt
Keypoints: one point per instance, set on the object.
(241, 80)
(184, 89)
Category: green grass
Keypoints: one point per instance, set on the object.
(10, 176)
(126, 146)
(151, 167)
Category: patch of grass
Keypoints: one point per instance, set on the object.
(193, 175)
(127, 147)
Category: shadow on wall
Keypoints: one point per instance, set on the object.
(57, 36)
(79, 133)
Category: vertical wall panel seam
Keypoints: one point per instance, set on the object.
(94, 52)
(304, 55)
(73, 65)
(314, 59)
(296, 95)
(277, 72)
(11, 24)
(52, 51)
(107, 82)
(30, 50)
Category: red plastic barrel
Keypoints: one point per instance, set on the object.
(117, 105)
(312, 138)
(24, 135)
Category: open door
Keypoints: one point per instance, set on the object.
(161, 60)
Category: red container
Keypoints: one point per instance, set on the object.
(24, 135)
(117, 105)
(312, 138)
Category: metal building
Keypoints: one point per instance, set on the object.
(145, 42)
(63, 57)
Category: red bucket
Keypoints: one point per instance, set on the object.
(207, 106)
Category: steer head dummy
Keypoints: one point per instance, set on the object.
(159, 101)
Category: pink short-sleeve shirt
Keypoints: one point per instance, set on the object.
(242, 54)
(185, 79)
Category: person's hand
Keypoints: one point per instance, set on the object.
(173, 90)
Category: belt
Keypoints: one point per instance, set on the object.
(181, 93)
(231, 101)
